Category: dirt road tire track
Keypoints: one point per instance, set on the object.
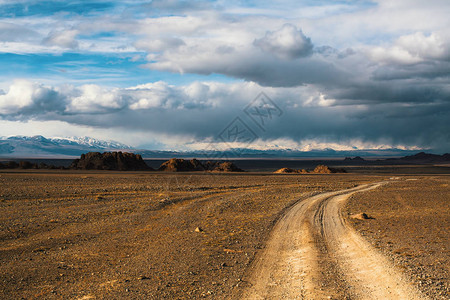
(312, 253)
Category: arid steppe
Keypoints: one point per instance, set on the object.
(147, 235)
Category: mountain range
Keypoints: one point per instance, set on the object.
(41, 147)
(70, 147)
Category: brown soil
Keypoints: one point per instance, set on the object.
(312, 253)
(106, 235)
(147, 235)
(411, 227)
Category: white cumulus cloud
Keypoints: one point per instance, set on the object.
(287, 42)
(413, 48)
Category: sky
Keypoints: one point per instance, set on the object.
(189, 75)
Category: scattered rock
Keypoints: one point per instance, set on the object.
(198, 229)
(360, 216)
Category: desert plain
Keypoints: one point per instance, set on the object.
(150, 235)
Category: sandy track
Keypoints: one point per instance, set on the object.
(313, 253)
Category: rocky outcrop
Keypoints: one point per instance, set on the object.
(225, 167)
(120, 161)
(182, 165)
(320, 169)
(288, 171)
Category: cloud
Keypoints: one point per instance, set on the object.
(377, 70)
(412, 49)
(63, 39)
(27, 98)
(199, 111)
(91, 99)
(433, 46)
(171, 6)
(287, 42)
(158, 45)
(10, 32)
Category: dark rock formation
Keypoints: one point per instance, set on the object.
(120, 161)
(322, 169)
(226, 166)
(182, 165)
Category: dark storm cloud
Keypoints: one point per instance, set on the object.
(374, 74)
(425, 70)
(203, 110)
(390, 92)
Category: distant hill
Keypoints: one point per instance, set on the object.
(41, 147)
(422, 158)
(354, 159)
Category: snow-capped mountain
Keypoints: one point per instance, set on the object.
(90, 142)
(39, 146)
(70, 147)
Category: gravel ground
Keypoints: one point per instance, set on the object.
(106, 235)
(411, 225)
(147, 235)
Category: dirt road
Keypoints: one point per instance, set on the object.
(313, 253)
